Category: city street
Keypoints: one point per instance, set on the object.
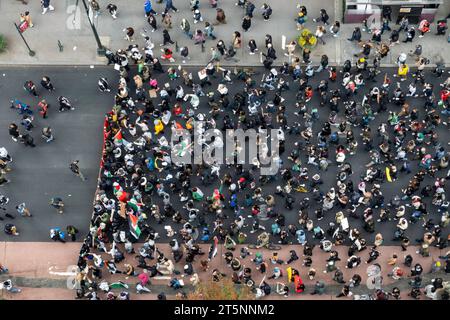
(135, 179)
(43, 172)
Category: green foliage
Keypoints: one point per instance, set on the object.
(307, 39)
(3, 43)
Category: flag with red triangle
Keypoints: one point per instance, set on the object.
(134, 227)
(118, 136)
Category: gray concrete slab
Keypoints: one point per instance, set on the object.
(58, 25)
(71, 27)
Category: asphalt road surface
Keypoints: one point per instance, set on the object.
(43, 172)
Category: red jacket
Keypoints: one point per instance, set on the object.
(299, 286)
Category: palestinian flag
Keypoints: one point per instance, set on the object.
(133, 204)
(118, 136)
(134, 228)
(118, 285)
(178, 126)
(213, 249)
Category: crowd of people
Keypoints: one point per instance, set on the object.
(349, 135)
(145, 196)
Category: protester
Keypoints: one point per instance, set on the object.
(112, 8)
(347, 139)
(76, 169)
(46, 6)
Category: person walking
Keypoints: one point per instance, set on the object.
(4, 168)
(166, 21)
(271, 52)
(152, 22)
(4, 155)
(186, 27)
(46, 6)
(129, 32)
(64, 104)
(47, 84)
(209, 31)
(249, 8)
(170, 6)
(410, 34)
(197, 16)
(323, 17)
(27, 140)
(72, 232)
(3, 180)
(301, 20)
(356, 35)
(23, 210)
(56, 234)
(441, 27)
(237, 40)
(184, 53)
(199, 37)
(112, 8)
(3, 269)
(424, 27)
(27, 122)
(43, 108)
(148, 8)
(30, 87)
(58, 204)
(252, 46)
(103, 85)
(266, 12)
(47, 134)
(76, 169)
(27, 18)
(166, 38)
(8, 286)
(323, 63)
(95, 7)
(335, 28)
(220, 17)
(320, 33)
(14, 131)
(246, 23)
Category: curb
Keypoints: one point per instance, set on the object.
(331, 289)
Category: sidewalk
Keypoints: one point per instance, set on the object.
(58, 25)
(43, 273)
(71, 27)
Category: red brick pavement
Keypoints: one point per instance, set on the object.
(53, 261)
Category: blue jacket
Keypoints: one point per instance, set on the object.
(148, 6)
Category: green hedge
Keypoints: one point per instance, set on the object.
(3, 43)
